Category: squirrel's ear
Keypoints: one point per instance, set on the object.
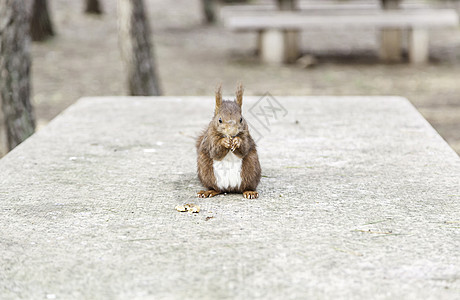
(218, 98)
(239, 94)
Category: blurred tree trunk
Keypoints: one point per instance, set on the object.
(287, 4)
(18, 118)
(390, 4)
(41, 26)
(3, 138)
(136, 49)
(291, 37)
(209, 10)
(93, 7)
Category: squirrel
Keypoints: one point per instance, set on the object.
(227, 156)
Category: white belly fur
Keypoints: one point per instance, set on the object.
(228, 171)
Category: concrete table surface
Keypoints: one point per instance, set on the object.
(360, 199)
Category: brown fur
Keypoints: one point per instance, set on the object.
(239, 94)
(218, 98)
(219, 138)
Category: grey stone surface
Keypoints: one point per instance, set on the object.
(359, 200)
(426, 19)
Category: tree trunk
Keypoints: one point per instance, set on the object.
(390, 4)
(136, 49)
(209, 10)
(3, 138)
(287, 5)
(18, 117)
(291, 37)
(41, 26)
(93, 7)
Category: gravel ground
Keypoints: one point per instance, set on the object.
(84, 60)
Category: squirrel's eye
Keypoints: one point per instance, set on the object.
(241, 120)
(220, 120)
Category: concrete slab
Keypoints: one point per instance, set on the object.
(377, 19)
(359, 200)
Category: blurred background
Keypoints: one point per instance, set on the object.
(193, 51)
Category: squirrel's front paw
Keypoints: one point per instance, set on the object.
(236, 143)
(226, 142)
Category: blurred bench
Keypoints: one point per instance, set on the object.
(313, 6)
(277, 47)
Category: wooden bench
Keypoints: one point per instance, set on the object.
(277, 47)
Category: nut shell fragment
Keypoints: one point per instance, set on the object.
(190, 207)
(181, 208)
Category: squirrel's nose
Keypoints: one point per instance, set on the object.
(231, 128)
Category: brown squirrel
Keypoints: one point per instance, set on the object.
(227, 155)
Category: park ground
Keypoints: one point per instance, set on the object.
(83, 59)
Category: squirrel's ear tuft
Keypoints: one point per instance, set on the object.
(239, 94)
(218, 98)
